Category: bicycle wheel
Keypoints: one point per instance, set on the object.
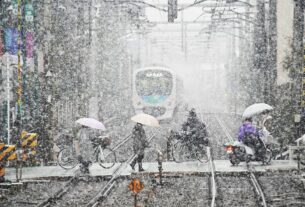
(180, 153)
(106, 158)
(201, 155)
(67, 158)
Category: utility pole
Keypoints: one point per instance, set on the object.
(272, 52)
(260, 52)
(172, 10)
(19, 88)
(8, 100)
(93, 95)
(298, 64)
(182, 31)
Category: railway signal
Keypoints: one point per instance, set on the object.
(135, 186)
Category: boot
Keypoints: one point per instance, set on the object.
(140, 167)
(85, 167)
(2, 180)
(132, 165)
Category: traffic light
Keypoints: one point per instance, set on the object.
(172, 10)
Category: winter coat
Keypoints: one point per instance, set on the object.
(139, 140)
(247, 129)
(85, 144)
(196, 127)
(190, 123)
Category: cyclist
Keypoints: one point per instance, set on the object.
(194, 133)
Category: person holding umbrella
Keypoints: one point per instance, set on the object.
(83, 145)
(139, 144)
(84, 148)
(140, 141)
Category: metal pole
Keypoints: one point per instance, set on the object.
(182, 31)
(19, 89)
(135, 200)
(160, 157)
(8, 100)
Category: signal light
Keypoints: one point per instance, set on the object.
(229, 149)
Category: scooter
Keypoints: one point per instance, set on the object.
(238, 152)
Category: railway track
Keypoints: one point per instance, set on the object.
(270, 189)
(217, 134)
(103, 193)
(78, 186)
(212, 189)
(283, 188)
(259, 194)
(213, 186)
(74, 192)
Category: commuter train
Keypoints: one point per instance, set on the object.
(155, 91)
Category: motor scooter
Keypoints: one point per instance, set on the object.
(239, 152)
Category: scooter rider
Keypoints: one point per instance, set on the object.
(248, 134)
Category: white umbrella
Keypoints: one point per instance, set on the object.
(92, 123)
(145, 119)
(301, 139)
(255, 109)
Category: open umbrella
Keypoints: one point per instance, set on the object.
(145, 119)
(301, 139)
(255, 109)
(92, 123)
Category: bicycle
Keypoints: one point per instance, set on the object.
(67, 157)
(183, 152)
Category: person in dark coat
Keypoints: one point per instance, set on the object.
(191, 122)
(139, 144)
(194, 131)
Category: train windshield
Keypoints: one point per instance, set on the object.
(154, 83)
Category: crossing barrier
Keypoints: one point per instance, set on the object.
(29, 144)
(7, 153)
(10, 152)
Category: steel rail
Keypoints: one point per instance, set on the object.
(258, 189)
(254, 181)
(111, 183)
(212, 167)
(58, 194)
(62, 191)
(122, 143)
(225, 129)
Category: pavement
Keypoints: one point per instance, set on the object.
(221, 166)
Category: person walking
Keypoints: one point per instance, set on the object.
(139, 144)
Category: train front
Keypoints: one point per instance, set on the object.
(154, 92)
